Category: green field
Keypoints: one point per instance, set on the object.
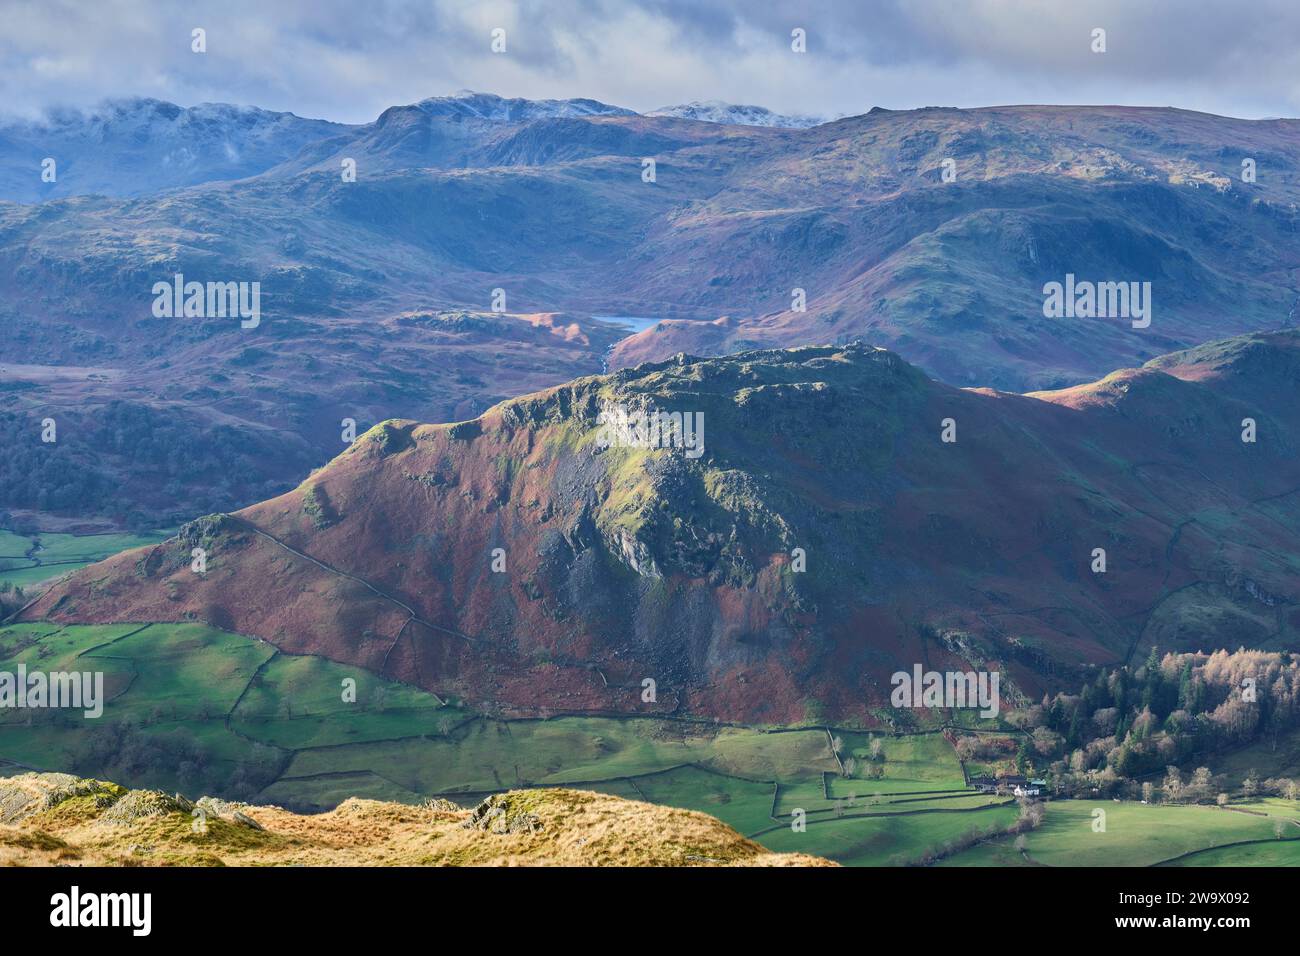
(916, 763)
(1138, 835)
(888, 840)
(191, 708)
(1267, 853)
(194, 709)
(26, 560)
(12, 544)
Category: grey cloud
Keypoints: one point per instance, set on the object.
(348, 60)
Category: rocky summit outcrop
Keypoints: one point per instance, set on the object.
(531, 562)
(57, 819)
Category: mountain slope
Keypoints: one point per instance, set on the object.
(458, 197)
(226, 419)
(622, 564)
(132, 147)
(952, 273)
(854, 212)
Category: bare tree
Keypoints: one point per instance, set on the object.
(1201, 785)
(1250, 786)
(1173, 785)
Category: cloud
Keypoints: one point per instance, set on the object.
(348, 60)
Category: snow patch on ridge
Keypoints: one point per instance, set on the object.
(715, 111)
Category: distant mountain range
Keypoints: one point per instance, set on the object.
(377, 294)
(137, 146)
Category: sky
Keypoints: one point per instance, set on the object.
(348, 60)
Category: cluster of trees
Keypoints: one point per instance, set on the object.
(874, 758)
(983, 748)
(44, 476)
(1129, 723)
(187, 466)
(1031, 817)
(11, 598)
(1203, 786)
(125, 750)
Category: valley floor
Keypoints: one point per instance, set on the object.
(193, 709)
(28, 560)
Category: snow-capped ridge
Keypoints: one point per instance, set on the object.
(498, 109)
(138, 145)
(732, 114)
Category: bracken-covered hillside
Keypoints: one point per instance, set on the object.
(826, 536)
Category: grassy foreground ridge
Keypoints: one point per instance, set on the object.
(48, 819)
